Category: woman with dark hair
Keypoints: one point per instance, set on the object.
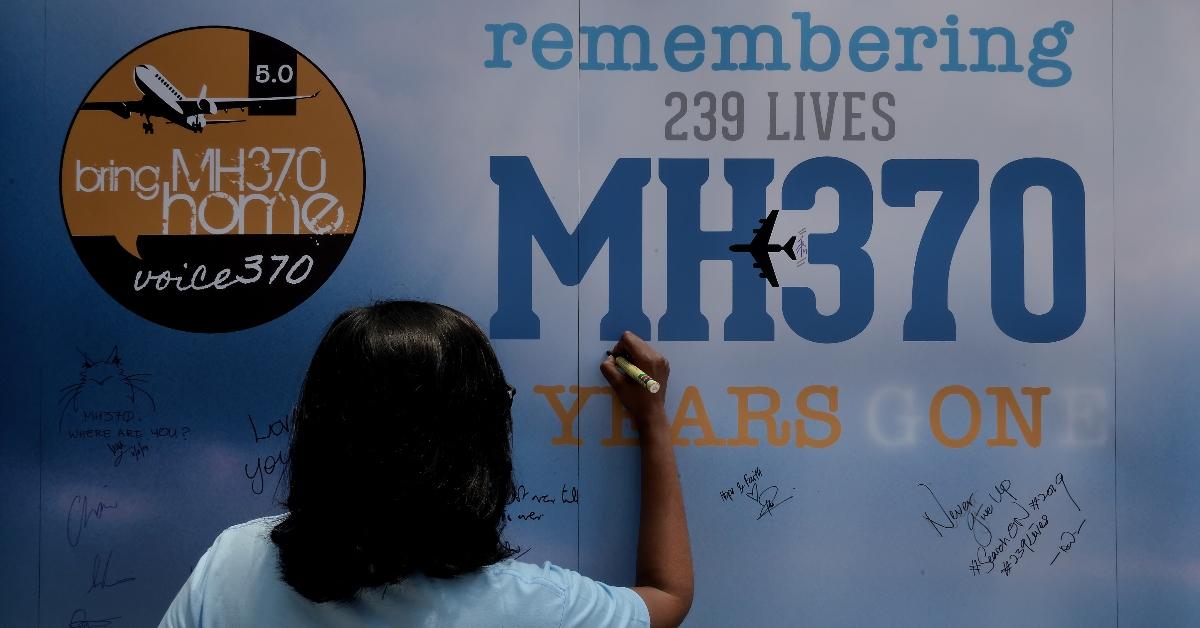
(400, 471)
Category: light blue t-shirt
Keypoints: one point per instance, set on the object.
(237, 583)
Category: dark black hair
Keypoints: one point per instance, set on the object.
(401, 453)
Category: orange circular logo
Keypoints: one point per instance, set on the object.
(212, 179)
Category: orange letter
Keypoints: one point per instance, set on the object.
(935, 416)
(835, 426)
(566, 417)
(620, 416)
(767, 416)
(691, 396)
(1005, 398)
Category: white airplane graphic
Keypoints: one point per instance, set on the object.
(161, 98)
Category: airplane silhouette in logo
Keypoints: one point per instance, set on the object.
(162, 99)
(761, 248)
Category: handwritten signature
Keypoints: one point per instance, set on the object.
(100, 574)
(1066, 547)
(801, 248)
(517, 548)
(80, 513)
(765, 498)
(119, 449)
(79, 620)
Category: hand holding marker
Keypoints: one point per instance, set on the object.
(631, 366)
(636, 373)
(664, 559)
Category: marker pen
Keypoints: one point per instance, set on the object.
(636, 373)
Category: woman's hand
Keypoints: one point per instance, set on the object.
(641, 403)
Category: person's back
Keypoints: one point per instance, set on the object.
(236, 583)
(399, 474)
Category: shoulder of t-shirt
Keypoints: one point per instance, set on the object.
(547, 575)
(266, 522)
(249, 531)
(575, 588)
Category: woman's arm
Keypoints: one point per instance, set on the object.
(664, 559)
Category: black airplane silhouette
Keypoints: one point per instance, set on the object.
(160, 98)
(761, 248)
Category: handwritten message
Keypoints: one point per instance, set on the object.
(766, 499)
(530, 505)
(1006, 530)
(110, 401)
(536, 503)
(277, 460)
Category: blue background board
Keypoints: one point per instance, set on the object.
(844, 539)
(1156, 434)
(851, 547)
